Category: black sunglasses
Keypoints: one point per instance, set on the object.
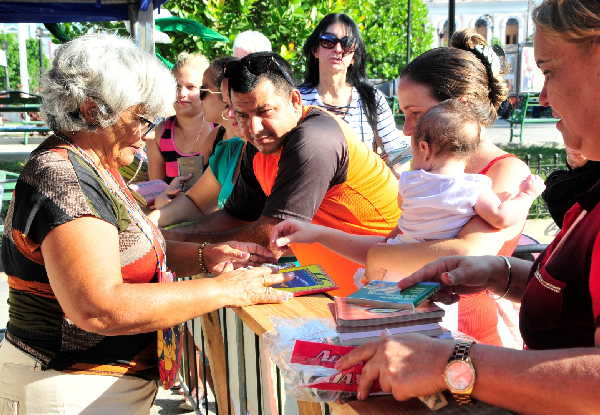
(259, 63)
(150, 125)
(328, 41)
(205, 91)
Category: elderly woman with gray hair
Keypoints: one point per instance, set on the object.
(82, 259)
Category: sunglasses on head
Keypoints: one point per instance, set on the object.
(328, 41)
(205, 91)
(259, 63)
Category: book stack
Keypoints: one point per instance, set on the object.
(381, 308)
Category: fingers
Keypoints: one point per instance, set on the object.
(281, 234)
(357, 356)
(283, 241)
(223, 267)
(430, 272)
(233, 252)
(277, 278)
(257, 254)
(368, 376)
(271, 295)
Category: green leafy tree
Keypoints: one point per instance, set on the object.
(288, 23)
(33, 61)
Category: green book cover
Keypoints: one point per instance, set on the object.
(387, 293)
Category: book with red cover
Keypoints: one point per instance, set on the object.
(353, 315)
(309, 279)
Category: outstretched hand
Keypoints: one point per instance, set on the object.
(229, 255)
(457, 275)
(172, 190)
(291, 230)
(247, 286)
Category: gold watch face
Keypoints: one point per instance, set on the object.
(460, 376)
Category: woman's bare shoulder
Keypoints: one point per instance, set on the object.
(509, 170)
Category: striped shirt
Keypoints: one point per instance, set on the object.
(169, 150)
(356, 117)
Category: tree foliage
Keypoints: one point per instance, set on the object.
(12, 56)
(288, 23)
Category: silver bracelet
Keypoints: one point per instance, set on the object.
(508, 276)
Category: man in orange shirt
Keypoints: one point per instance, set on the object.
(305, 163)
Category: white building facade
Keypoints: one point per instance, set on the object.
(508, 21)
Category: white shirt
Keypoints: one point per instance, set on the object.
(436, 206)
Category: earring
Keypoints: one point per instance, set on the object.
(224, 115)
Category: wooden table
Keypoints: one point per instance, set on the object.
(254, 385)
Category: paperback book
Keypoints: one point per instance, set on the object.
(362, 337)
(387, 294)
(353, 315)
(149, 189)
(309, 279)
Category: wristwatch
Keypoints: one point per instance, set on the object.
(459, 374)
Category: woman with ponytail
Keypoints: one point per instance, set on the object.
(335, 79)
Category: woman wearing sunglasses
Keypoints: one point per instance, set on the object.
(213, 188)
(186, 134)
(335, 79)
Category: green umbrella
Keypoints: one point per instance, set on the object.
(190, 27)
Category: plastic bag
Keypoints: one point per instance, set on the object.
(280, 343)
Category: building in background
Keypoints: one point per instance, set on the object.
(506, 21)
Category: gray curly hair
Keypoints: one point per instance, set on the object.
(113, 73)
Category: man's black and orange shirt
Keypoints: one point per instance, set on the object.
(323, 174)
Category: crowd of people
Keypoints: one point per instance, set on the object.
(304, 166)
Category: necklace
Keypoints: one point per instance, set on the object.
(341, 110)
(195, 141)
(133, 209)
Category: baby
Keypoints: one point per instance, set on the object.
(437, 197)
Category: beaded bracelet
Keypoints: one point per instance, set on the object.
(508, 277)
(203, 267)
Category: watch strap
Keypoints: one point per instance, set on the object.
(461, 351)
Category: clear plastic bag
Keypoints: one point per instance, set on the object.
(280, 343)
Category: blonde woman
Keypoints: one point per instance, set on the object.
(187, 133)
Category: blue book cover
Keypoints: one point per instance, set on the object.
(309, 279)
(387, 293)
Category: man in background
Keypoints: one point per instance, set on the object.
(250, 41)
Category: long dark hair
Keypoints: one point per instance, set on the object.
(355, 75)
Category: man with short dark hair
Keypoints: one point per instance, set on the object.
(304, 163)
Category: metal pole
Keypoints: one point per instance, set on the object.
(451, 18)
(408, 30)
(6, 80)
(142, 26)
(23, 73)
(40, 55)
